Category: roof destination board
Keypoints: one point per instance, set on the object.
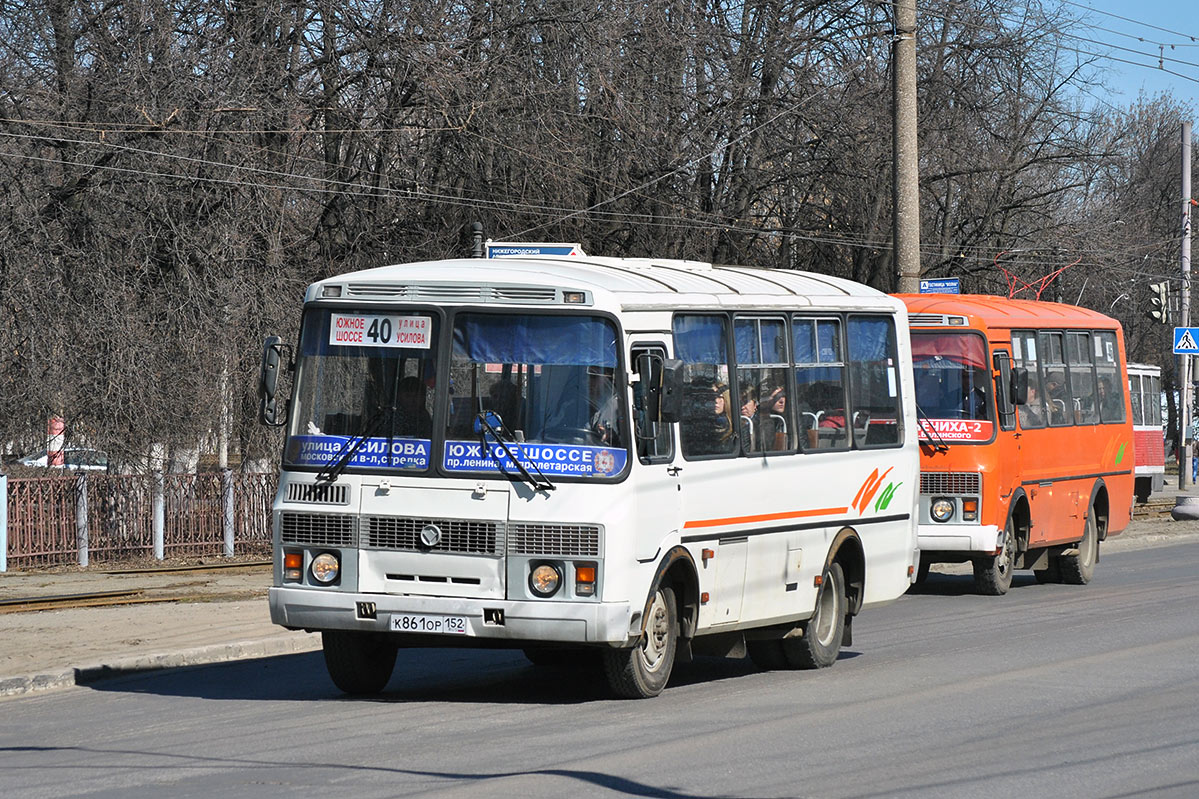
(509, 249)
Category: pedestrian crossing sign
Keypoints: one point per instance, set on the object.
(1186, 341)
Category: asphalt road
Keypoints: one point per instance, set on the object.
(1057, 691)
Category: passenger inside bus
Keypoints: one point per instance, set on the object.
(504, 399)
(749, 412)
(771, 424)
(603, 398)
(707, 426)
(1055, 390)
(1031, 413)
(724, 414)
(976, 395)
(1110, 402)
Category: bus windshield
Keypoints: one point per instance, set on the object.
(368, 384)
(364, 375)
(546, 383)
(953, 382)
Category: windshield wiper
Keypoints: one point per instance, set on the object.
(484, 425)
(331, 472)
(938, 443)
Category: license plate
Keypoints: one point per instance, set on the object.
(413, 623)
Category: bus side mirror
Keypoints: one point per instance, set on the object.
(671, 408)
(1004, 396)
(274, 353)
(1019, 385)
(646, 396)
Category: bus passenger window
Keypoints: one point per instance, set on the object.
(705, 426)
(1109, 388)
(874, 381)
(762, 364)
(819, 383)
(1024, 354)
(1082, 379)
(1058, 405)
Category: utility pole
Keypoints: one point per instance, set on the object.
(1184, 361)
(905, 171)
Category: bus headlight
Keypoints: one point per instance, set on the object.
(941, 509)
(325, 568)
(545, 579)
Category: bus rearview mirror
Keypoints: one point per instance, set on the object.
(671, 407)
(273, 355)
(1019, 385)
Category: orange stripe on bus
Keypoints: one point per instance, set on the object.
(765, 517)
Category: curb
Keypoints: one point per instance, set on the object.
(120, 667)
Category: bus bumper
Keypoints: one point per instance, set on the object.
(959, 538)
(516, 621)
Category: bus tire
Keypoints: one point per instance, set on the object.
(358, 663)
(820, 643)
(642, 671)
(993, 574)
(1079, 569)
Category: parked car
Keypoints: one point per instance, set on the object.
(78, 459)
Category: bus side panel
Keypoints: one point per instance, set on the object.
(763, 560)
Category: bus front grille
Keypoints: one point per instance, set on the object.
(950, 483)
(567, 540)
(317, 529)
(318, 493)
(466, 536)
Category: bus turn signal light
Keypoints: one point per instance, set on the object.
(969, 509)
(585, 579)
(293, 565)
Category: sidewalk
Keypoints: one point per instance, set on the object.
(60, 648)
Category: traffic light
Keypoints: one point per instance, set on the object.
(1159, 302)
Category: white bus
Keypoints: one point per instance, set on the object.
(628, 460)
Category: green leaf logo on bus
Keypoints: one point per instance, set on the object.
(869, 488)
(1120, 453)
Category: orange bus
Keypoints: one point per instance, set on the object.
(1026, 436)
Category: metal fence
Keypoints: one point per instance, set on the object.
(102, 517)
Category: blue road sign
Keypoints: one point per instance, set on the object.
(1186, 341)
(507, 249)
(941, 285)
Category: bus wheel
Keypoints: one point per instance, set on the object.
(821, 640)
(1079, 569)
(642, 672)
(993, 575)
(359, 663)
